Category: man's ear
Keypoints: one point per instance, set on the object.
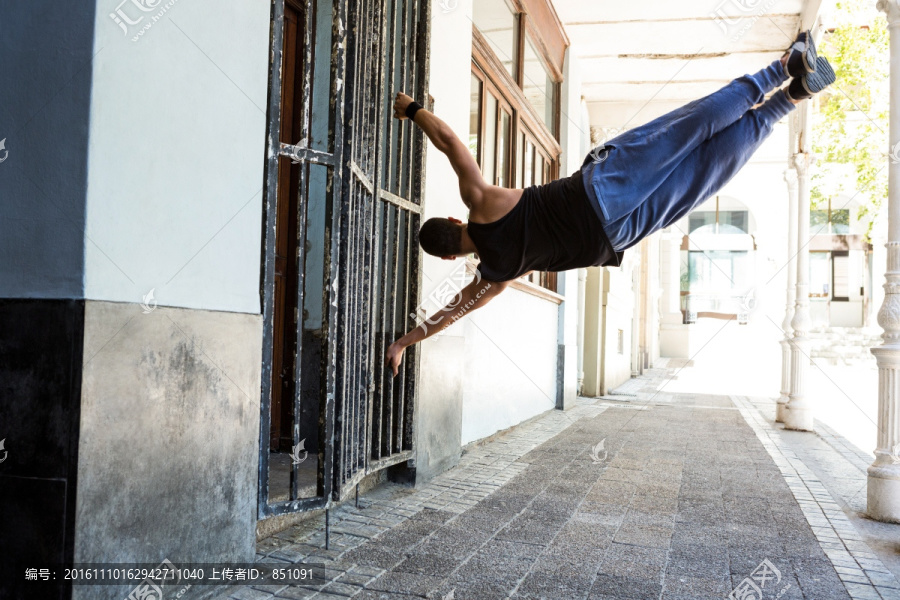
(453, 220)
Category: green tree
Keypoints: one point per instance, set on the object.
(851, 125)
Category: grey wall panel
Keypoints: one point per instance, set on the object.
(46, 51)
(168, 450)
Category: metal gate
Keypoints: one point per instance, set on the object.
(364, 171)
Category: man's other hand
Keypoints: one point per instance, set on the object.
(400, 104)
(394, 357)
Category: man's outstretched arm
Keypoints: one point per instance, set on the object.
(471, 182)
(473, 296)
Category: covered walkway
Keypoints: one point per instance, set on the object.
(648, 493)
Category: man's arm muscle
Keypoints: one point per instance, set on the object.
(472, 297)
(471, 182)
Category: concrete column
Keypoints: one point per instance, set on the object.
(790, 177)
(673, 333)
(883, 502)
(582, 289)
(799, 411)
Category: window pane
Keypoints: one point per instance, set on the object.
(840, 221)
(735, 218)
(528, 165)
(489, 143)
(539, 88)
(520, 171)
(503, 149)
(497, 21)
(819, 274)
(475, 117)
(818, 221)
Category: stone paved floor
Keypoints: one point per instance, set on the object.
(687, 497)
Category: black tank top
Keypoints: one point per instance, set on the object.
(552, 228)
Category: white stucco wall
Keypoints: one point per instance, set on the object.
(510, 346)
(510, 375)
(176, 154)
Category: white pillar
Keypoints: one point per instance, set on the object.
(582, 288)
(883, 502)
(798, 413)
(673, 333)
(790, 177)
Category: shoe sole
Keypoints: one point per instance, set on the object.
(821, 79)
(807, 56)
(810, 56)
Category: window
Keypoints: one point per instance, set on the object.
(498, 22)
(728, 221)
(514, 114)
(719, 271)
(820, 275)
(539, 87)
(490, 128)
(829, 221)
(840, 221)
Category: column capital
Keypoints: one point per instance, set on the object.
(790, 177)
(802, 162)
(892, 9)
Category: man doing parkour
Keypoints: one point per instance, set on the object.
(645, 179)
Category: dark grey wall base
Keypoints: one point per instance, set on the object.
(41, 350)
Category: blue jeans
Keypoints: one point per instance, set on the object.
(649, 177)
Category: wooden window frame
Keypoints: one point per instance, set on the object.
(538, 22)
(488, 87)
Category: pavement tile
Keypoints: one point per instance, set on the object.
(435, 565)
(687, 505)
(409, 583)
(607, 585)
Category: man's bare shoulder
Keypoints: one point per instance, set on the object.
(494, 204)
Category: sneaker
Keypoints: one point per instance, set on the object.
(801, 56)
(811, 84)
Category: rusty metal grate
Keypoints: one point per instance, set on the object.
(364, 169)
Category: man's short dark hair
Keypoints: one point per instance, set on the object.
(441, 237)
